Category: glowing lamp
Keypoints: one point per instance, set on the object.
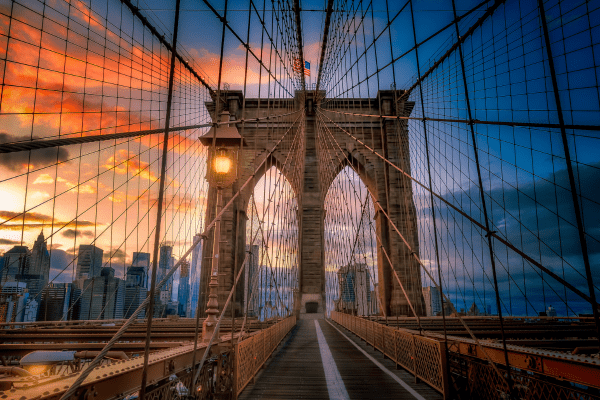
(223, 141)
(222, 163)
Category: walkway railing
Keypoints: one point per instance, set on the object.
(423, 357)
(536, 373)
(252, 352)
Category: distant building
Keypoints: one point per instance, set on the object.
(474, 310)
(135, 287)
(103, 296)
(195, 267)
(55, 302)
(251, 293)
(134, 297)
(89, 262)
(142, 260)
(165, 263)
(184, 288)
(375, 302)
(433, 301)
(354, 288)
(449, 309)
(16, 304)
(39, 267)
(16, 262)
(29, 267)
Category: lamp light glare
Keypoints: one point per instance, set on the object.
(222, 164)
(37, 369)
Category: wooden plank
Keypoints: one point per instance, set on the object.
(296, 371)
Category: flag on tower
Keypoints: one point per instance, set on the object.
(298, 67)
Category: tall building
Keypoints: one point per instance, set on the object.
(55, 302)
(433, 301)
(103, 296)
(251, 276)
(16, 262)
(38, 273)
(142, 260)
(16, 304)
(89, 262)
(30, 267)
(165, 263)
(184, 288)
(195, 267)
(354, 288)
(135, 287)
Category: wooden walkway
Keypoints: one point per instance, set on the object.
(316, 361)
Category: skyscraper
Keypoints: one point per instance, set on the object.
(103, 296)
(16, 262)
(15, 303)
(38, 273)
(55, 302)
(433, 301)
(184, 288)
(195, 267)
(89, 262)
(142, 260)
(30, 267)
(355, 288)
(164, 265)
(135, 286)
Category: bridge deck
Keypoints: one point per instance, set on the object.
(318, 362)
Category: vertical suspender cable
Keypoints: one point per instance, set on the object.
(160, 204)
(565, 142)
(483, 203)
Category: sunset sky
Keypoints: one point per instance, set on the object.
(78, 68)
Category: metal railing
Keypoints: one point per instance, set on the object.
(252, 352)
(423, 357)
(463, 371)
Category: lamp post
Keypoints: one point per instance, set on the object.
(223, 142)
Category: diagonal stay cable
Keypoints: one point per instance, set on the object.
(474, 221)
(96, 361)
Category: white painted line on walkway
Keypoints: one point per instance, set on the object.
(335, 384)
(381, 366)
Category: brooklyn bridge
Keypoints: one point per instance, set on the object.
(285, 199)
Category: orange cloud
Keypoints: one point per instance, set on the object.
(82, 188)
(125, 162)
(65, 74)
(43, 179)
(15, 221)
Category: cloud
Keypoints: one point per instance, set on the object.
(116, 255)
(43, 179)
(27, 217)
(127, 162)
(538, 219)
(72, 233)
(82, 188)
(18, 161)
(39, 196)
(8, 242)
(13, 221)
(59, 260)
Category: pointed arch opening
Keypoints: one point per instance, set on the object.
(271, 277)
(351, 278)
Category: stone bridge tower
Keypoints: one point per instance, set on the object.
(391, 192)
